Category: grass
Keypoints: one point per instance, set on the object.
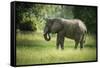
(31, 48)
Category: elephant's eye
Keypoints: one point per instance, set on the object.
(48, 25)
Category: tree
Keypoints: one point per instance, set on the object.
(88, 15)
(37, 13)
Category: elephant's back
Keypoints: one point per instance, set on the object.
(73, 27)
(82, 26)
(75, 23)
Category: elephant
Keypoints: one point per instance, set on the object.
(74, 29)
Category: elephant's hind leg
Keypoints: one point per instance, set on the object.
(82, 42)
(76, 44)
(57, 44)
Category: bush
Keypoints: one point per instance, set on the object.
(27, 26)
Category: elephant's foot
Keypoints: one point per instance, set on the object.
(75, 48)
(62, 48)
(81, 47)
(57, 47)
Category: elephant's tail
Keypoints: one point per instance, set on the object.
(85, 34)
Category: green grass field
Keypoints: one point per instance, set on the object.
(31, 48)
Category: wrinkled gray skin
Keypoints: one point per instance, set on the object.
(74, 29)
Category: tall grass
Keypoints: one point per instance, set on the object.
(31, 48)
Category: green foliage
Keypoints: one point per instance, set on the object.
(27, 26)
(37, 13)
(21, 7)
(88, 15)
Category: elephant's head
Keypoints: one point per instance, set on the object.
(52, 26)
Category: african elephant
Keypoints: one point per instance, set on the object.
(74, 29)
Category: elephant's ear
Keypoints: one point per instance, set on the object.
(48, 20)
(57, 26)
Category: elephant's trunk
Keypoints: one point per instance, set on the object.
(47, 37)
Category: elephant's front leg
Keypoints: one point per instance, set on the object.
(60, 40)
(57, 42)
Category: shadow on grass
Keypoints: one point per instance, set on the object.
(30, 43)
(45, 44)
(91, 46)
